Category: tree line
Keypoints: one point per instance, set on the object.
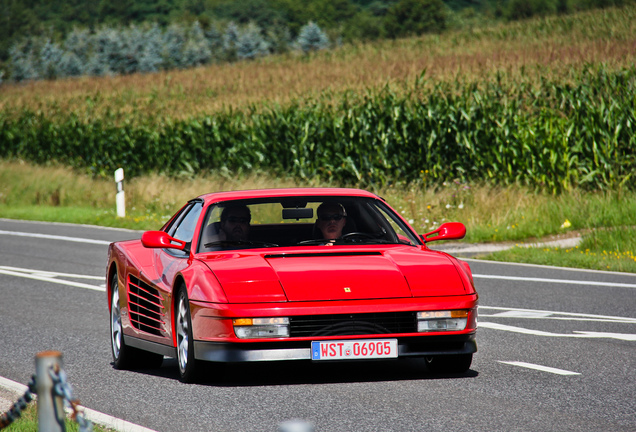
(149, 48)
(41, 39)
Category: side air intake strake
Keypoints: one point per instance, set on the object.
(145, 306)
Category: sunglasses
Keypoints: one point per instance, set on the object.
(238, 219)
(326, 217)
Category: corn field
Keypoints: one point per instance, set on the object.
(554, 136)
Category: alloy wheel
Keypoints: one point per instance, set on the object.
(183, 326)
(115, 323)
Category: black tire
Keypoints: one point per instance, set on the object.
(457, 363)
(126, 357)
(122, 354)
(188, 366)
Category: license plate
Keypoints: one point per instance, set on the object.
(354, 349)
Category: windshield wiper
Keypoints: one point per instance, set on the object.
(225, 243)
(368, 241)
(341, 241)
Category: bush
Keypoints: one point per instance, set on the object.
(22, 62)
(523, 9)
(250, 43)
(415, 17)
(197, 49)
(312, 38)
(230, 41)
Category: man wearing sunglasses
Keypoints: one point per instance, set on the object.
(332, 218)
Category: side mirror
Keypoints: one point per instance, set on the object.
(159, 239)
(447, 231)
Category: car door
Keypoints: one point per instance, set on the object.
(167, 263)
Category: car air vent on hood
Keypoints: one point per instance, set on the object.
(319, 254)
(353, 324)
(146, 309)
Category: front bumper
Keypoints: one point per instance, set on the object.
(411, 346)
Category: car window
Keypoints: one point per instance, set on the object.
(185, 225)
(403, 235)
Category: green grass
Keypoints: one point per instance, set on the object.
(28, 422)
(137, 220)
(491, 214)
(613, 250)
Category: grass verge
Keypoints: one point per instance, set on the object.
(611, 250)
(28, 422)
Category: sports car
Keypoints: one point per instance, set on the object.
(315, 274)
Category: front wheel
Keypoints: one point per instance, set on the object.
(122, 358)
(457, 363)
(188, 365)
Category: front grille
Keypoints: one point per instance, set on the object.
(145, 306)
(353, 324)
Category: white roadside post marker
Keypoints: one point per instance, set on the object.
(120, 198)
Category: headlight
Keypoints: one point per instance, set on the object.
(252, 328)
(453, 320)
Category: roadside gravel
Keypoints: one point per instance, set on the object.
(471, 250)
(7, 399)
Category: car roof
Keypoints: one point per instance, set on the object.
(287, 192)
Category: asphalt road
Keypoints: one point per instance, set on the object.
(557, 352)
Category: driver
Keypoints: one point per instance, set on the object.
(235, 223)
(332, 218)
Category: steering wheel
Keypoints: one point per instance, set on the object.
(357, 234)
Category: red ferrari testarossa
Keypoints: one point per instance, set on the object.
(319, 274)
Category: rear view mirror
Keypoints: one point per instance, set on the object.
(298, 213)
(447, 231)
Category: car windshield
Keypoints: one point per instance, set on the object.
(302, 221)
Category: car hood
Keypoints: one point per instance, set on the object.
(335, 275)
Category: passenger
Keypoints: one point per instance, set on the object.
(235, 223)
(332, 218)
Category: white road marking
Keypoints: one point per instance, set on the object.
(92, 415)
(52, 277)
(576, 334)
(537, 313)
(560, 281)
(540, 368)
(55, 237)
(50, 274)
(619, 336)
(567, 269)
